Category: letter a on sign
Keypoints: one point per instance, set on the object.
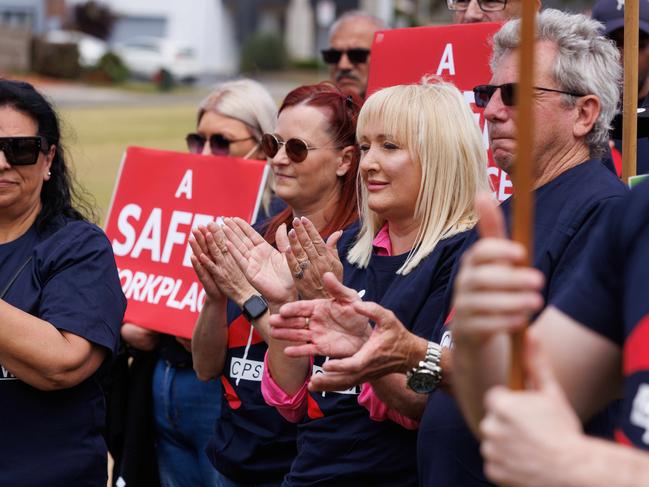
(185, 186)
(447, 62)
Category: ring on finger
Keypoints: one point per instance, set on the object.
(299, 274)
(307, 320)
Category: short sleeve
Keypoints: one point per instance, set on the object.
(573, 253)
(81, 291)
(592, 294)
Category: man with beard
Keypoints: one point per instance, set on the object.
(348, 56)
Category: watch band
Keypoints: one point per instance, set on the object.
(431, 365)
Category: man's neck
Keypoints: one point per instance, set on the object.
(559, 164)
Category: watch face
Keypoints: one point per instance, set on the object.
(422, 383)
(254, 307)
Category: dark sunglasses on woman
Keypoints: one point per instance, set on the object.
(296, 149)
(483, 93)
(219, 143)
(22, 151)
(356, 55)
(485, 5)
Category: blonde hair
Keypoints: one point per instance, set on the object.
(249, 102)
(434, 123)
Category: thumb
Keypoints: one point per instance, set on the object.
(333, 239)
(337, 291)
(281, 238)
(538, 368)
(491, 223)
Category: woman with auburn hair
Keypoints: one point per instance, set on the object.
(314, 159)
(422, 163)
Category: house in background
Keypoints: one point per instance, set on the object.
(216, 30)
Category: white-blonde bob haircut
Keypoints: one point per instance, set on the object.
(434, 123)
(249, 102)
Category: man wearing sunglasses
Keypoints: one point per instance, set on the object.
(348, 55)
(469, 11)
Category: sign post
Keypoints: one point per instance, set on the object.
(523, 207)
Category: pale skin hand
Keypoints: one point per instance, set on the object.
(529, 437)
(210, 336)
(264, 266)
(493, 296)
(390, 348)
(335, 329)
(307, 251)
(222, 267)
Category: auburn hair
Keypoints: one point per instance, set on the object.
(341, 111)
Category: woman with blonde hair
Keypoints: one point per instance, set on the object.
(422, 163)
(231, 121)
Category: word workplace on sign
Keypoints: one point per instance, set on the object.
(150, 230)
(151, 288)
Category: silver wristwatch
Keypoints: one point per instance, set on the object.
(424, 378)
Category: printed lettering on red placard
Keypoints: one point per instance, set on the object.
(457, 53)
(159, 198)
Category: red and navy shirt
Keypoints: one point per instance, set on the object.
(610, 295)
(567, 211)
(338, 443)
(252, 442)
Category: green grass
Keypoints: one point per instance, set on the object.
(96, 138)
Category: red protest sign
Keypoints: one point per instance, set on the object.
(457, 53)
(159, 197)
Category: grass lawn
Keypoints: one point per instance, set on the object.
(96, 138)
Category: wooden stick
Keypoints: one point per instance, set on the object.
(630, 115)
(523, 208)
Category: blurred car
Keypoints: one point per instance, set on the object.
(91, 48)
(147, 57)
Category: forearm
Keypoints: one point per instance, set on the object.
(596, 458)
(41, 355)
(210, 340)
(475, 369)
(393, 391)
(289, 373)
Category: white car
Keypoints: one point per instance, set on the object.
(146, 56)
(91, 48)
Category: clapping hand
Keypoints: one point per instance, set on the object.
(329, 327)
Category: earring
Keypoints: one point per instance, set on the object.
(49, 173)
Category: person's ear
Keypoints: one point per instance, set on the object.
(345, 160)
(588, 109)
(49, 158)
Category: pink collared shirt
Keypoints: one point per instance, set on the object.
(293, 408)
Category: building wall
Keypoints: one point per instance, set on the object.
(23, 14)
(207, 27)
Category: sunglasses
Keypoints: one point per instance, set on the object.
(356, 55)
(22, 151)
(219, 143)
(485, 5)
(483, 93)
(296, 149)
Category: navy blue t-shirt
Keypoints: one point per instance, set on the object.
(55, 438)
(567, 210)
(338, 444)
(609, 295)
(252, 442)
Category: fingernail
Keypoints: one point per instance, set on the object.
(296, 221)
(291, 233)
